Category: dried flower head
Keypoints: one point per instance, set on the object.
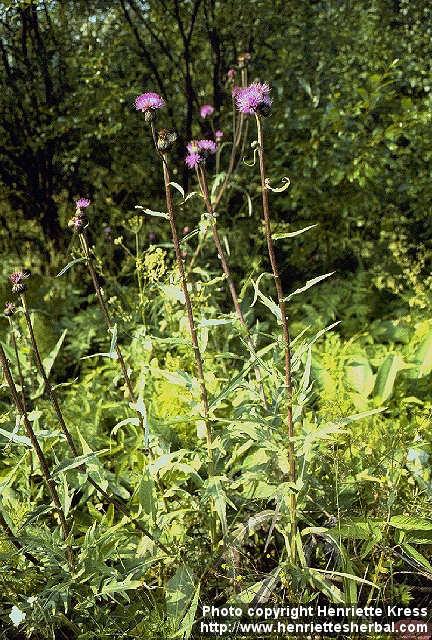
(166, 139)
(9, 309)
(17, 280)
(192, 160)
(219, 135)
(253, 99)
(82, 203)
(206, 110)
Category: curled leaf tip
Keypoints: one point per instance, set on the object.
(284, 187)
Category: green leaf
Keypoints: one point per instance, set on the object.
(423, 356)
(48, 362)
(156, 214)
(72, 463)
(386, 376)
(411, 523)
(173, 293)
(180, 590)
(178, 187)
(309, 284)
(14, 437)
(292, 234)
(189, 617)
(359, 375)
(69, 265)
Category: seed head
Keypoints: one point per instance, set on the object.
(206, 110)
(17, 280)
(9, 309)
(253, 99)
(166, 139)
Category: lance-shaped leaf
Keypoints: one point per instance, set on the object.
(69, 265)
(150, 212)
(292, 234)
(309, 284)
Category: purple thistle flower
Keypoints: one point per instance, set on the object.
(219, 135)
(192, 160)
(17, 280)
(82, 203)
(206, 146)
(9, 309)
(149, 100)
(206, 110)
(253, 99)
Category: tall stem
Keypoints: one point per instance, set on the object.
(202, 179)
(285, 328)
(191, 321)
(18, 362)
(107, 317)
(72, 446)
(41, 457)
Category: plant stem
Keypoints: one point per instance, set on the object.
(191, 321)
(108, 322)
(68, 435)
(18, 362)
(202, 179)
(41, 457)
(285, 329)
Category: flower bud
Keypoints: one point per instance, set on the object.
(78, 223)
(166, 139)
(9, 309)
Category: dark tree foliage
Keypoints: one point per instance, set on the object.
(351, 83)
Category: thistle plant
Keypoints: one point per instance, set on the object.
(49, 481)
(198, 151)
(9, 312)
(79, 224)
(19, 286)
(255, 100)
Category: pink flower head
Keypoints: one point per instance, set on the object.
(206, 110)
(149, 100)
(231, 74)
(206, 146)
(82, 203)
(219, 135)
(192, 160)
(253, 99)
(17, 281)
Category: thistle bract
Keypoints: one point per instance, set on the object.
(252, 99)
